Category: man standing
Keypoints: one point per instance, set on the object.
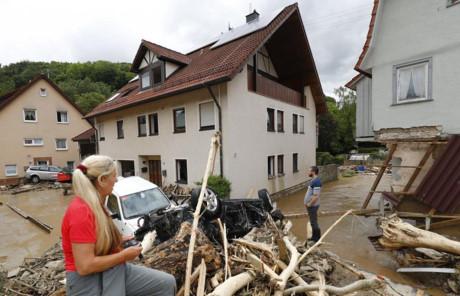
(311, 202)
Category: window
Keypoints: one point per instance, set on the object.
(301, 124)
(112, 204)
(179, 120)
(100, 130)
(280, 121)
(127, 168)
(280, 165)
(71, 165)
(294, 124)
(10, 170)
(61, 144)
(33, 142)
(153, 124)
(141, 126)
(145, 80)
(271, 166)
(43, 92)
(295, 162)
(41, 163)
(120, 132)
(270, 120)
(62, 117)
(206, 116)
(30, 115)
(157, 75)
(412, 82)
(181, 171)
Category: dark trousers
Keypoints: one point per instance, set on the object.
(313, 214)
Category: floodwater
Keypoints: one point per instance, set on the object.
(349, 239)
(20, 238)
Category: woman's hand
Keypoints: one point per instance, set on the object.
(132, 252)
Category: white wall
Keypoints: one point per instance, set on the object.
(247, 144)
(409, 30)
(364, 124)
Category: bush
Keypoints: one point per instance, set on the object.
(324, 158)
(220, 185)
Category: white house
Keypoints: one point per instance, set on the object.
(409, 68)
(159, 126)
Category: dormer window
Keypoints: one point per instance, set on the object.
(43, 92)
(152, 75)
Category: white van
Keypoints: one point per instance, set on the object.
(133, 197)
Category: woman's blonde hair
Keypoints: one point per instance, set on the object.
(84, 179)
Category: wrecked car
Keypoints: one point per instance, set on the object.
(140, 209)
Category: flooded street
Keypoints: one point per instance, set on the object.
(21, 238)
(349, 238)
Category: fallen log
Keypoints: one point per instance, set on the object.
(367, 284)
(398, 234)
(233, 284)
(286, 274)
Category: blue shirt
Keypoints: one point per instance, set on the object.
(313, 188)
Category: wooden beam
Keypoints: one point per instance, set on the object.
(423, 215)
(32, 219)
(380, 175)
(442, 224)
(419, 168)
(358, 212)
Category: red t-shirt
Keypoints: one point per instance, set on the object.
(78, 226)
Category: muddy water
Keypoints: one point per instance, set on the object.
(349, 238)
(21, 238)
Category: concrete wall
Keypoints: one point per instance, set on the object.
(328, 173)
(247, 143)
(409, 30)
(13, 129)
(364, 124)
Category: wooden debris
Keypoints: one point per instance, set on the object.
(32, 219)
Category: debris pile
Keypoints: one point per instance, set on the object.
(21, 188)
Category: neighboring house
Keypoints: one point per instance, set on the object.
(160, 125)
(409, 68)
(37, 122)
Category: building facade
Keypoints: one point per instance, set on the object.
(37, 124)
(159, 126)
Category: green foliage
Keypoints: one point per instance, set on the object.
(324, 158)
(220, 185)
(87, 84)
(337, 127)
(377, 155)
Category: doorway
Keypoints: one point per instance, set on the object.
(155, 172)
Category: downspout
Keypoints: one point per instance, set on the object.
(221, 153)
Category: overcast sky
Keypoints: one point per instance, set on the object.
(90, 30)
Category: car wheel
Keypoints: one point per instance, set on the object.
(265, 197)
(35, 179)
(211, 203)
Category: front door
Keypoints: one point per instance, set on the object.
(155, 172)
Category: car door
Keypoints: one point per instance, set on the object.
(43, 173)
(113, 205)
(52, 172)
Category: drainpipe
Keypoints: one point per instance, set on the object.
(221, 154)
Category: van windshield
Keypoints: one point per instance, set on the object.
(140, 203)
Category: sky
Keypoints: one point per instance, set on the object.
(90, 30)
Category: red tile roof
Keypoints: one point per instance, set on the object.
(161, 52)
(367, 43)
(205, 66)
(9, 97)
(86, 135)
(352, 83)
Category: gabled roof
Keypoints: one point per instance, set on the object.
(86, 135)
(9, 97)
(161, 52)
(351, 84)
(207, 66)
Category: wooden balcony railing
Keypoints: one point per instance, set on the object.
(269, 88)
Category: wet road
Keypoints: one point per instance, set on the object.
(349, 238)
(21, 238)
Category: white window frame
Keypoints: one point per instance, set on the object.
(9, 174)
(24, 114)
(61, 149)
(429, 81)
(34, 142)
(273, 172)
(301, 124)
(63, 122)
(207, 127)
(43, 92)
(100, 131)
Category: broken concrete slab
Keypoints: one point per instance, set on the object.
(408, 134)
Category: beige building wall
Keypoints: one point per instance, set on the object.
(14, 130)
(247, 143)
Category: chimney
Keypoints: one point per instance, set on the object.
(253, 16)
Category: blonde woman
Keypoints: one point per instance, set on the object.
(94, 260)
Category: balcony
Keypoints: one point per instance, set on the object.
(270, 88)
